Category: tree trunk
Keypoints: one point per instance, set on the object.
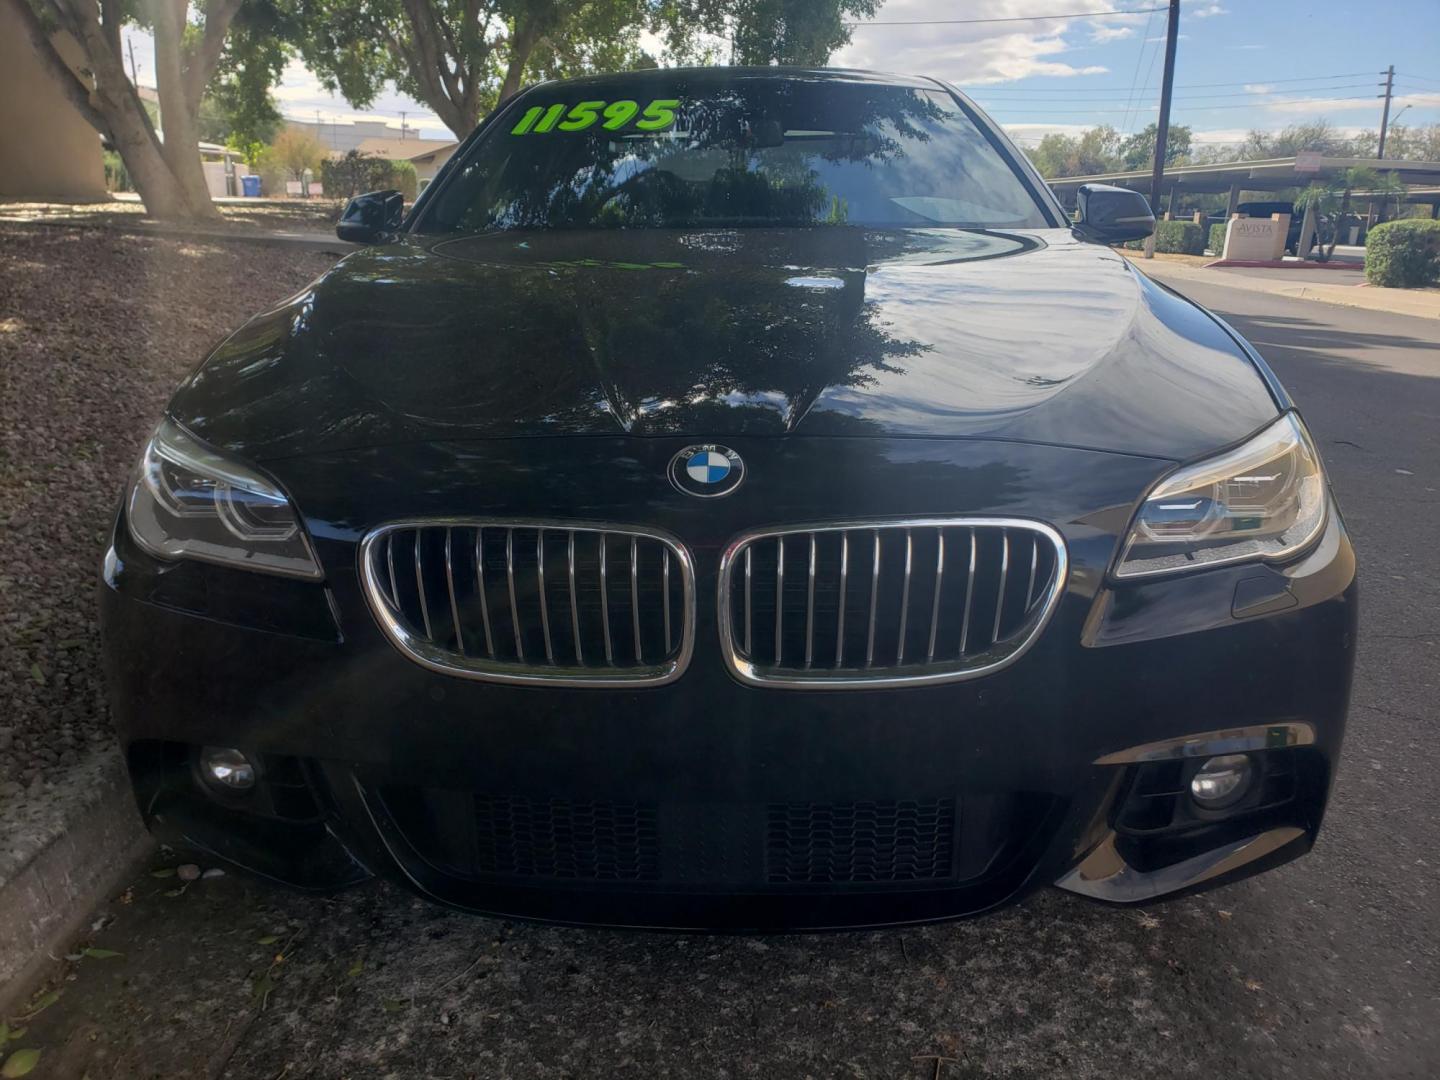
(177, 113)
(102, 94)
(1339, 224)
(522, 45)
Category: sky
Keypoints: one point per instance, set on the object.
(1240, 64)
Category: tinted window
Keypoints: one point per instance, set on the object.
(765, 152)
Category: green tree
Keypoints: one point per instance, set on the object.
(1096, 150)
(1318, 136)
(295, 150)
(463, 57)
(804, 32)
(1331, 198)
(1138, 151)
(238, 108)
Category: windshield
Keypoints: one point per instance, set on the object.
(751, 152)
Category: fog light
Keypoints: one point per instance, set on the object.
(1222, 781)
(227, 768)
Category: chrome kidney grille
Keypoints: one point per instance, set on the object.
(533, 602)
(890, 603)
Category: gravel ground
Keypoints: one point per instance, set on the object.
(96, 328)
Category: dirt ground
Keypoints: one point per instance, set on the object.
(96, 329)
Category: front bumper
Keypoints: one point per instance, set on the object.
(708, 804)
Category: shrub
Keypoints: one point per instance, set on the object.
(1217, 238)
(116, 176)
(403, 179)
(1175, 238)
(357, 173)
(1403, 254)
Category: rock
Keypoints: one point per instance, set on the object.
(188, 872)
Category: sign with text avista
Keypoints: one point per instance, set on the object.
(658, 115)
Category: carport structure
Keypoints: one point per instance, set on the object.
(1421, 179)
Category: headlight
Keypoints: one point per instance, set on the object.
(1262, 500)
(189, 502)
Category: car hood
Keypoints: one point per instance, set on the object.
(944, 333)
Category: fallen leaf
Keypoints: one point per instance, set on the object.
(392, 1005)
(268, 939)
(39, 677)
(1226, 914)
(20, 1063)
(43, 1002)
(167, 871)
(1252, 985)
(177, 892)
(355, 968)
(101, 954)
(262, 988)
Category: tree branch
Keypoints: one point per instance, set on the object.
(201, 63)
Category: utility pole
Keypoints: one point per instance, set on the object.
(133, 77)
(1389, 87)
(403, 114)
(1162, 126)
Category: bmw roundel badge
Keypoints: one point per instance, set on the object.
(707, 470)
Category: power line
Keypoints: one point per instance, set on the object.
(1139, 60)
(1422, 78)
(1061, 94)
(1008, 19)
(1000, 107)
(1305, 95)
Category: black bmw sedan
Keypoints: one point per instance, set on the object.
(734, 499)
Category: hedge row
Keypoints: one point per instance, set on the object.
(1403, 254)
(356, 173)
(1217, 238)
(1175, 238)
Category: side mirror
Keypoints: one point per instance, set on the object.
(371, 218)
(1110, 215)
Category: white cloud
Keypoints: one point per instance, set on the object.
(1209, 11)
(1102, 34)
(1232, 47)
(1320, 106)
(980, 53)
(1258, 88)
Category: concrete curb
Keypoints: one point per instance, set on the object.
(64, 859)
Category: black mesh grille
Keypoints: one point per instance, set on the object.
(586, 841)
(822, 843)
(701, 846)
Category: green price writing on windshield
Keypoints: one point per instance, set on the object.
(659, 115)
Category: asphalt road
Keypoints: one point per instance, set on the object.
(1324, 968)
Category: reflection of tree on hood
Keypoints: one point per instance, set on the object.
(728, 161)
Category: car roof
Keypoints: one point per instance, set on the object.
(723, 75)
